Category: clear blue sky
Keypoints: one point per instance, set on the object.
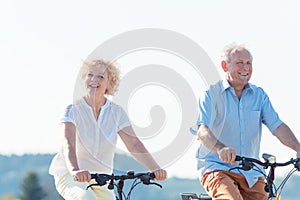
(42, 44)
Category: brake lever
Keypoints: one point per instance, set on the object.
(154, 183)
(235, 168)
(247, 165)
(94, 184)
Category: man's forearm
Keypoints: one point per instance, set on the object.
(208, 139)
(287, 137)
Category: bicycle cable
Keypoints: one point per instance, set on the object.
(134, 184)
(284, 181)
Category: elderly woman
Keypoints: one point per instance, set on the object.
(90, 127)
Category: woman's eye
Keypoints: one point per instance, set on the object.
(91, 75)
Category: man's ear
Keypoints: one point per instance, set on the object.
(224, 65)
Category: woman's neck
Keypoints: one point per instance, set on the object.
(96, 103)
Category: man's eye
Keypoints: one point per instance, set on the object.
(100, 77)
(90, 75)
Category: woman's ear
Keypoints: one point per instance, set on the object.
(224, 65)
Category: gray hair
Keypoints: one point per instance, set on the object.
(231, 49)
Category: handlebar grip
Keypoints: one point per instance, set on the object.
(238, 158)
(152, 175)
(246, 163)
(101, 179)
(297, 164)
(93, 176)
(145, 178)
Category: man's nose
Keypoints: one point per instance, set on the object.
(246, 66)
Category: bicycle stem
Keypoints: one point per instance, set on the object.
(120, 188)
(270, 182)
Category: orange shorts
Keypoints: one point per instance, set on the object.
(224, 185)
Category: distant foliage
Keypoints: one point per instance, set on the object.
(15, 180)
(7, 197)
(31, 188)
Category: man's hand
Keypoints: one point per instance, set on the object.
(227, 154)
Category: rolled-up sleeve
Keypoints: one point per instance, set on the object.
(269, 116)
(68, 115)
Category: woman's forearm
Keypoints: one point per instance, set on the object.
(69, 146)
(142, 155)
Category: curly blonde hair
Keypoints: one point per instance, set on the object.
(112, 71)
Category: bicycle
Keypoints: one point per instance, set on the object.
(194, 196)
(269, 161)
(250, 163)
(103, 179)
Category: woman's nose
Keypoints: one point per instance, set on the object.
(95, 78)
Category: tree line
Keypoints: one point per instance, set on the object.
(31, 189)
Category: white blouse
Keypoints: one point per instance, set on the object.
(95, 139)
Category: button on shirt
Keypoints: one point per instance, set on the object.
(95, 139)
(236, 123)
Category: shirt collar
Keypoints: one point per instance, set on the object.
(106, 105)
(225, 85)
(103, 107)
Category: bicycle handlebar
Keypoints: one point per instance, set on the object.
(102, 179)
(270, 161)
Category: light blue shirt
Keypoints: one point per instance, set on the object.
(236, 123)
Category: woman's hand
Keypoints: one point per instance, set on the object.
(160, 174)
(81, 175)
